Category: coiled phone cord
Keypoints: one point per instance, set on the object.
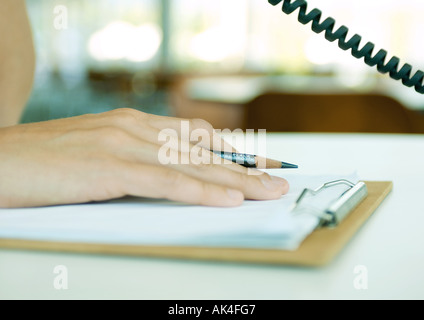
(353, 43)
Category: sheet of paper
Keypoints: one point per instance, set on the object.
(134, 221)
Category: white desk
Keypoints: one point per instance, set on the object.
(390, 245)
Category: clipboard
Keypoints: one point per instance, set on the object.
(318, 249)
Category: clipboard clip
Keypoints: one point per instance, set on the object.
(340, 207)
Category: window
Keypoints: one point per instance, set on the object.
(139, 39)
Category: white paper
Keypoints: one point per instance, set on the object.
(133, 221)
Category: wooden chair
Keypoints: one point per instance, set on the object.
(368, 113)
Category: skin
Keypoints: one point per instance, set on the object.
(17, 60)
(97, 157)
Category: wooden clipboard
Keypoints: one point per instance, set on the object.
(317, 249)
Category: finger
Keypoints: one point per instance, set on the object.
(231, 175)
(254, 187)
(140, 144)
(127, 146)
(172, 139)
(162, 182)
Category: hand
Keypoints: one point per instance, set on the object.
(114, 154)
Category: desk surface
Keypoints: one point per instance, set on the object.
(387, 252)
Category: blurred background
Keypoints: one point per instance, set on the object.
(238, 64)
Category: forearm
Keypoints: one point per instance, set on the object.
(17, 61)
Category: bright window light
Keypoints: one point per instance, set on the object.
(122, 40)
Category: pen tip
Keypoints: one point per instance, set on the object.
(286, 165)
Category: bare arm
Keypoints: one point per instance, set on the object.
(17, 61)
(117, 153)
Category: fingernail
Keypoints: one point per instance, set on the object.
(279, 180)
(283, 183)
(235, 194)
(272, 184)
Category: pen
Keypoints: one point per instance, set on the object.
(254, 161)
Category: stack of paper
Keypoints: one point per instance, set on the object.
(131, 221)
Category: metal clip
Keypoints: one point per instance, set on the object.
(340, 207)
